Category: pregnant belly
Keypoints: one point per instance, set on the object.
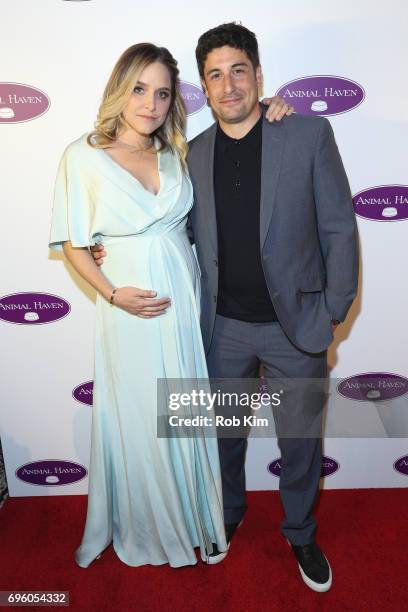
(160, 263)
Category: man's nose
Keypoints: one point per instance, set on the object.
(228, 85)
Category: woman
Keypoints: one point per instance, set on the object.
(125, 186)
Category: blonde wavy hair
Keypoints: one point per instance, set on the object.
(119, 88)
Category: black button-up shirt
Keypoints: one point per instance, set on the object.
(242, 290)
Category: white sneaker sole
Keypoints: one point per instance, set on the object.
(222, 555)
(316, 586)
(217, 559)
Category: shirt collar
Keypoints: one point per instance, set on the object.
(253, 138)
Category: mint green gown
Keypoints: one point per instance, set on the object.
(155, 499)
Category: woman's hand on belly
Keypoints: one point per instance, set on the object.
(140, 302)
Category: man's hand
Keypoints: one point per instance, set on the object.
(277, 108)
(98, 253)
(140, 302)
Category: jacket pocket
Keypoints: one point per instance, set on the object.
(311, 284)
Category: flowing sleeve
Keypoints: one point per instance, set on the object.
(73, 208)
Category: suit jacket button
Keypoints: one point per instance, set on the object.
(215, 298)
(216, 263)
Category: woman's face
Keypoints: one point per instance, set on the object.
(150, 101)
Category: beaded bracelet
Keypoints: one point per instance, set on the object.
(111, 297)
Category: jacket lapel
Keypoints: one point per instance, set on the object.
(273, 142)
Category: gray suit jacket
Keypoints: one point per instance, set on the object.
(308, 232)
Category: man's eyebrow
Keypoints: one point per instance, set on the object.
(233, 66)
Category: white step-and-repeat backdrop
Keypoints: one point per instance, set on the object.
(342, 60)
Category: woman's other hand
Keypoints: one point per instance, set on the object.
(278, 108)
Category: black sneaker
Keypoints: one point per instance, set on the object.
(314, 567)
(216, 556)
(230, 529)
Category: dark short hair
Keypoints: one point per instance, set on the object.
(230, 34)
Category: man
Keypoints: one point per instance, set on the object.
(276, 241)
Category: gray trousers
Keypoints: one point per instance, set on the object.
(236, 351)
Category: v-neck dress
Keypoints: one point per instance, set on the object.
(154, 498)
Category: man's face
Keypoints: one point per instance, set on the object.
(231, 84)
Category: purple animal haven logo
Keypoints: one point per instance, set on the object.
(193, 96)
(84, 393)
(274, 467)
(322, 95)
(329, 466)
(401, 465)
(51, 472)
(20, 103)
(373, 387)
(382, 203)
(33, 308)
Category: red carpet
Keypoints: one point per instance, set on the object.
(364, 533)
